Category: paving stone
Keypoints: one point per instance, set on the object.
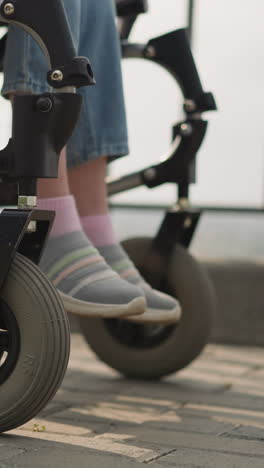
(52, 408)
(109, 443)
(238, 354)
(246, 433)
(191, 419)
(182, 439)
(63, 455)
(219, 367)
(209, 459)
(112, 415)
(8, 452)
(92, 425)
(184, 391)
(222, 414)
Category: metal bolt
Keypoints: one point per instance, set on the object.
(25, 201)
(183, 204)
(150, 173)
(189, 105)
(57, 75)
(186, 129)
(9, 9)
(44, 104)
(187, 223)
(150, 52)
(32, 226)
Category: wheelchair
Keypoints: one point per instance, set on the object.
(34, 329)
(153, 351)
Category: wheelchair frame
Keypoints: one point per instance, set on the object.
(180, 222)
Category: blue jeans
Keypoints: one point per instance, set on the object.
(101, 129)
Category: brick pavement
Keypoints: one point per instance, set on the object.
(208, 415)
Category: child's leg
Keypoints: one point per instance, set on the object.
(88, 286)
(87, 183)
(103, 132)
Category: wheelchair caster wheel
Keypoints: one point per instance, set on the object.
(34, 343)
(153, 351)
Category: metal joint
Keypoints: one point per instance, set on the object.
(150, 173)
(150, 52)
(57, 75)
(183, 204)
(189, 105)
(9, 9)
(27, 202)
(186, 129)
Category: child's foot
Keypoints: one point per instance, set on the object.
(161, 308)
(87, 285)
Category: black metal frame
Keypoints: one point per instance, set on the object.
(41, 126)
(125, 29)
(172, 51)
(191, 15)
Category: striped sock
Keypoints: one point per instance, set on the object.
(88, 286)
(160, 306)
(99, 229)
(66, 219)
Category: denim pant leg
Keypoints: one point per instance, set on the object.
(103, 117)
(25, 66)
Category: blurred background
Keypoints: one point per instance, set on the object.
(228, 46)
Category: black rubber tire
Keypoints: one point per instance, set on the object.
(44, 343)
(187, 280)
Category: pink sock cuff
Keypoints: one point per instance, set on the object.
(99, 229)
(56, 202)
(66, 219)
